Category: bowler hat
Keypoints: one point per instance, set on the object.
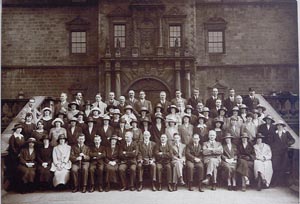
(18, 125)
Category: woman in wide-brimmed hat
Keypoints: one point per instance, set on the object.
(279, 146)
(186, 129)
(256, 118)
(268, 129)
(56, 130)
(16, 142)
(158, 128)
(201, 129)
(44, 160)
(261, 109)
(27, 165)
(47, 118)
(263, 169)
(235, 112)
(111, 162)
(73, 110)
(218, 128)
(61, 164)
(137, 132)
(243, 112)
(249, 127)
(171, 129)
(229, 161)
(173, 113)
(128, 115)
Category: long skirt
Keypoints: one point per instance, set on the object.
(44, 174)
(245, 168)
(228, 169)
(265, 168)
(111, 173)
(61, 177)
(27, 174)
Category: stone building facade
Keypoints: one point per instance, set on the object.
(148, 44)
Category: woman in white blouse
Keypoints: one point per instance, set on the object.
(61, 162)
(263, 169)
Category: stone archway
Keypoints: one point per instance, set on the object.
(152, 87)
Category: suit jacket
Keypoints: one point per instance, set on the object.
(193, 101)
(167, 153)
(146, 152)
(165, 106)
(229, 104)
(101, 105)
(132, 103)
(95, 157)
(60, 106)
(251, 103)
(89, 137)
(114, 102)
(138, 105)
(105, 136)
(25, 157)
(131, 152)
(186, 133)
(246, 153)
(120, 133)
(229, 154)
(193, 152)
(211, 103)
(268, 133)
(178, 153)
(216, 152)
(177, 102)
(72, 138)
(75, 151)
(112, 155)
(279, 145)
(155, 133)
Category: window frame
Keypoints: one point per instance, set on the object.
(180, 37)
(116, 37)
(86, 43)
(223, 41)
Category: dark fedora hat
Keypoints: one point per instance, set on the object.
(18, 125)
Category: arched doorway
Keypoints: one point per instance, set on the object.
(151, 86)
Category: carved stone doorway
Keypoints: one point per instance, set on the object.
(152, 88)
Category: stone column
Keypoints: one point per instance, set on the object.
(118, 79)
(177, 77)
(160, 50)
(187, 78)
(107, 78)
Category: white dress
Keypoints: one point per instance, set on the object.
(61, 156)
(265, 167)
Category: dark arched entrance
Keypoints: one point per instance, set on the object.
(151, 86)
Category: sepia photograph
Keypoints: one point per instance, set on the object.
(149, 101)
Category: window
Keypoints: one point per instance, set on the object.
(119, 35)
(215, 41)
(175, 35)
(78, 42)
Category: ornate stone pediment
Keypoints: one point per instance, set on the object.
(215, 23)
(175, 12)
(78, 23)
(118, 12)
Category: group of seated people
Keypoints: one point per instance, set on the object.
(94, 145)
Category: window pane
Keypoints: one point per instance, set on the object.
(175, 33)
(78, 42)
(120, 35)
(215, 42)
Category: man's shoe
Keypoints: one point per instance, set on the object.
(229, 188)
(92, 189)
(140, 188)
(84, 189)
(132, 188)
(214, 187)
(201, 187)
(259, 183)
(206, 180)
(75, 190)
(107, 189)
(234, 188)
(100, 189)
(170, 187)
(159, 187)
(175, 187)
(123, 188)
(190, 186)
(244, 188)
(153, 186)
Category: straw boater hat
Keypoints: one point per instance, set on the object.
(159, 115)
(96, 109)
(106, 117)
(188, 107)
(227, 135)
(18, 125)
(280, 122)
(57, 120)
(261, 106)
(144, 109)
(47, 109)
(269, 117)
(202, 117)
(172, 106)
(245, 135)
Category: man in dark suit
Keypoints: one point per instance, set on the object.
(73, 131)
(111, 100)
(194, 162)
(80, 156)
(251, 101)
(163, 154)
(195, 99)
(211, 102)
(230, 102)
(142, 102)
(79, 101)
(146, 159)
(97, 156)
(132, 100)
(164, 102)
(106, 131)
(127, 154)
(90, 131)
(179, 101)
(62, 105)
